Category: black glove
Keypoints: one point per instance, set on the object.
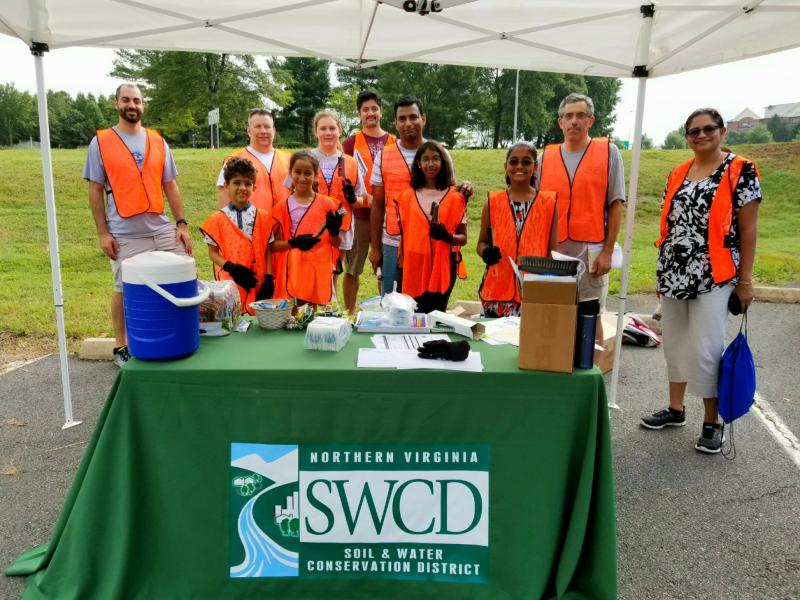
(267, 289)
(303, 242)
(243, 276)
(491, 255)
(349, 191)
(333, 221)
(443, 349)
(439, 232)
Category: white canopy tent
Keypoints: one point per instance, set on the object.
(614, 38)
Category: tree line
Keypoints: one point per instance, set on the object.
(465, 106)
(776, 130)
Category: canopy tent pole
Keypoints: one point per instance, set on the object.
(38, 49)
(640, 71)
(516, 107)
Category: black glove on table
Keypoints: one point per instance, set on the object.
(333, 221)
(457, 351)
(439, 232)
(267, 289)
(491, 255)
(303, 242)
(243, 276)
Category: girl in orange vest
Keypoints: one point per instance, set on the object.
(433, 222)
(517, 221)
(305, 236)
(237, 236)
(705, 266)
(338, 177)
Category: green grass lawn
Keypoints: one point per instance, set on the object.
(26, 297)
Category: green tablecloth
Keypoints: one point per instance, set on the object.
(152, 512)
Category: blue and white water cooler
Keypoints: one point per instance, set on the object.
(162, 305)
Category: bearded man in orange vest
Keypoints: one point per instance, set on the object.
(364, 145)
(272, 165)
(133, 167)
(588, 177)
(391, 176)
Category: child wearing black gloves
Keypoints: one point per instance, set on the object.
(433, 225)
(238, 234)
(517, 221)
(305, 236)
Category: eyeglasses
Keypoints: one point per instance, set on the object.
(525, 162)
(707, 130)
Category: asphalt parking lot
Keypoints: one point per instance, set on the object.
(689, 525)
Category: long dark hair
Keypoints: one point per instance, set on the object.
(305, 155)
(444, 179)
(532, 152)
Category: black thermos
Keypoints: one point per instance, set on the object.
(588, 311)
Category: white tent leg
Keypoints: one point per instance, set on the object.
(52, 233)
(626, 265)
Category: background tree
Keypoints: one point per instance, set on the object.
(181, 87)
(780, 131)
(675, 140)
(759, 135)
(310, 87)
(449, 94)
(18, 117)
(733, 138)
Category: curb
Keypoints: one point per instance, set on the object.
(789, 295)
(97, 349)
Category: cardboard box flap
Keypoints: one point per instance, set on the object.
(538, 289)
(461, 326)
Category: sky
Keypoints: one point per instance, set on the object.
(753, 83)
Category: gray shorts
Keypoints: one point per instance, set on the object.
(357, 255)
(164, 240)
(593, 287)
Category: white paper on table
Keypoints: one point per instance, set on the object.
(408, 341)
(374, 358)
(502, 331)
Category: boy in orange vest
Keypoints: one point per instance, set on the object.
(238, 236)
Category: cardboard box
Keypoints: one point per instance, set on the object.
(604, 358)
(547, 325)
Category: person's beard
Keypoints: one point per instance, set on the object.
(124, 114)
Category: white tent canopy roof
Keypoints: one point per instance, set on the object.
(591, 38)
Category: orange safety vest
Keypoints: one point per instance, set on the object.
(425, 261)
(235, 247)
(360, 144)
(135, 192)
(347, 168)
(500, 284)
(720, 216)
(581, 203)
(307, 276)
(270, 188)
(396, 179)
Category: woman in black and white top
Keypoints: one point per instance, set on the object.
(706, 252)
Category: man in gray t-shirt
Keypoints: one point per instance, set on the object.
(127, 145)
(593, 246)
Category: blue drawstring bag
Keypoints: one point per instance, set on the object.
(736, 386)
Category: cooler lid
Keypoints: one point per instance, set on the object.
(159, 267)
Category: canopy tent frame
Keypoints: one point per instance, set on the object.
(641, 67)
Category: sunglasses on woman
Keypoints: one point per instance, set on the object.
(707, 130)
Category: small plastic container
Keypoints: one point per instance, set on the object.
(328, 334)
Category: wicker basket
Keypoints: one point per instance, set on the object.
(271, 318)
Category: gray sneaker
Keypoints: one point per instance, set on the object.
(121, 356)
(711, 438)
(669, 417)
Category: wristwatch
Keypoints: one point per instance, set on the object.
(179, 221)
